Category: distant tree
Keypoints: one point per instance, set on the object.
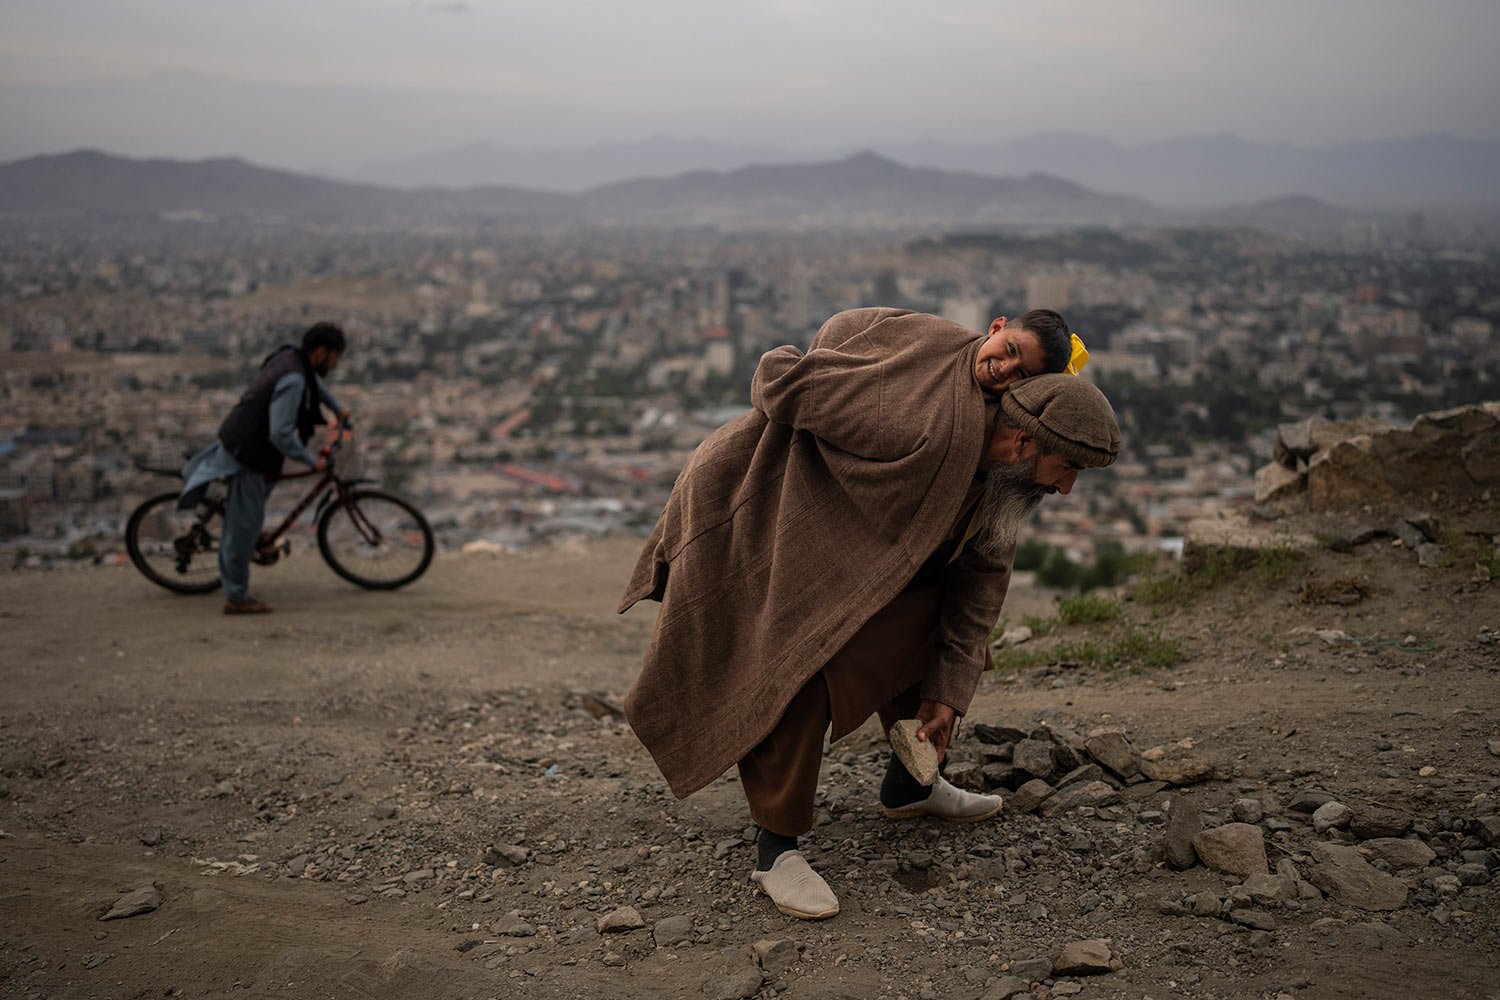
(1058, 571)
(1030, 554)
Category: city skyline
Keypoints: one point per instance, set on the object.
(335, 85)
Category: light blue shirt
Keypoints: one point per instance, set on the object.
(215, 462)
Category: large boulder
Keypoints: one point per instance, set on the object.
(1346, 475)
(1399, 852)
(1180, 770)
(1305, 438)
(1114, 751)
(1276, 482)
(1233, 849)
(1083, 958)
(1351, 463)
(1481, 457)
(1034, 757)
(1030, 795)
(1183, 824)
(1348, 878)
(1084, 793)
(1371, 822)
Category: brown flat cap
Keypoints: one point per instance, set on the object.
(1067, 416)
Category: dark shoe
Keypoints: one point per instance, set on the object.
(249, 606)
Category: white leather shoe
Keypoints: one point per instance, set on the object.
(952, 804)
(796, 889)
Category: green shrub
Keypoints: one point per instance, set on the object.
(1489, 558)
(1147, 648)
(1039, 626)
(1058, 571)
(1133, 648)
(1111, 565)
(1210, 566)
(1088, 610)
(1030, 554)
(1466, 550)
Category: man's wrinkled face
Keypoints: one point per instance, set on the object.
(1010, 495)
(1008, 354)
(1052, 473)
(1011, 492)
(1055, 474)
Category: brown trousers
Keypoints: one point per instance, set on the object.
(879, 670)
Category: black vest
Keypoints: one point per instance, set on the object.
(246, 432)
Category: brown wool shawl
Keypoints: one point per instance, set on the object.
(794, 523)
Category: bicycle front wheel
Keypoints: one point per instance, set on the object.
(375, 540)
(175, 549)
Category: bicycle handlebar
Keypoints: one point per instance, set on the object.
(337, 441)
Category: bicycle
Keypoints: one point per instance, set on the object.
(371, 538)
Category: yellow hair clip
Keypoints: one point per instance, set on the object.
(1079, 358)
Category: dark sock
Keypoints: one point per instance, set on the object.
(771, 846)
(899, 788)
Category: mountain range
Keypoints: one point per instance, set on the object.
(860, 189)
(89, 182)
(1423, 172)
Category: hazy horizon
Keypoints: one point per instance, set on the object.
(334, 85)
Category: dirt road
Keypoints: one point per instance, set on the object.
(426, 794)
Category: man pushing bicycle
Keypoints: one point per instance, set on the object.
(273, 421)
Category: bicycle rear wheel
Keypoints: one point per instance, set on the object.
(376, 540)
(175, 549)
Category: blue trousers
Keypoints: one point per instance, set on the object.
(243, 517)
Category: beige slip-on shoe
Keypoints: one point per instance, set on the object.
(952, 804)
(796, 889)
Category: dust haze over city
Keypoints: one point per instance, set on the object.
(561, 236)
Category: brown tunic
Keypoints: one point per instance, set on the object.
(793, 525)
(880, 670)
(898, 646)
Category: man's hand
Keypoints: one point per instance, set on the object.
(343, 416)
(937, 725)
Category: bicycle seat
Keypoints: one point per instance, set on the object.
(188, 451)
(159, 470)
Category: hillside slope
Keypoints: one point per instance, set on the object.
(378, 794)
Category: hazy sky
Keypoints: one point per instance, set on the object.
(329, 83)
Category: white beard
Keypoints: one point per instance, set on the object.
(1010, 495)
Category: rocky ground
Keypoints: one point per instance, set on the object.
(431, 793)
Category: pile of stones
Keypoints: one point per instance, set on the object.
(1052, 770)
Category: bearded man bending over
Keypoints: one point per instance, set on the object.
(844, 549)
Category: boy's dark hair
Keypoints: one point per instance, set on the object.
(326, 335)
(1053, 334)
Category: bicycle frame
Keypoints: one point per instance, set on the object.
(329, 484)
(320, 492)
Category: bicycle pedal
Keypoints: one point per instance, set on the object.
(269, 555)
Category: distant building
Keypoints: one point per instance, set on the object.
(1472, 329)
(799, 298)
(1141, 367)
(968, 311)
(1047, 290)
(14, 513)
(1173, 349)
(718, 351)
